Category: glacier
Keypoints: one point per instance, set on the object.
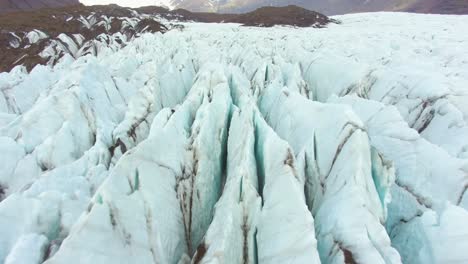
(219, 143)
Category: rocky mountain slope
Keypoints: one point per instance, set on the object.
(288, 15)
(220, 143)
(22, 5)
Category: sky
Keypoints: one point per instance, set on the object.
(129, 3)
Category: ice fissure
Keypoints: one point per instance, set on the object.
(186, 149)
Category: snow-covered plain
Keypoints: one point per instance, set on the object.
(227, 144)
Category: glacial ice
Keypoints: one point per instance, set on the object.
(227, 144)
(412, 225)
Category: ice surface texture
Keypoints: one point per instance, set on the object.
(228, 144)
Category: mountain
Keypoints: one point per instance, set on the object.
(146, 140)
(439, 7)
(323, 6)
(328, 7)
(21, 5)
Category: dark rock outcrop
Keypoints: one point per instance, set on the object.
(288, 15)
